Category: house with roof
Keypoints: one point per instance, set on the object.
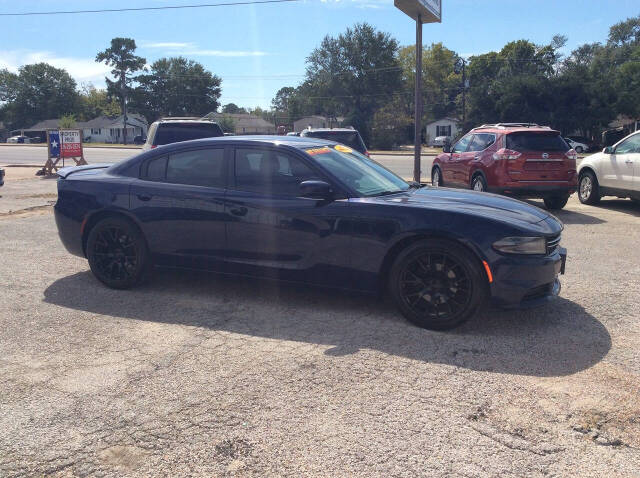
(441, 127)
(102, 129)
(244, 123)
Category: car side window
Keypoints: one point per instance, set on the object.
(156, 169)
(268, 172)
(481, 141)
(202, 167)
(630, 145)
(461, 146)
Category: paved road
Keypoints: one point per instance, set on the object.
(402, 165)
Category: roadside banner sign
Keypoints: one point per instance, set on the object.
(61, 144)
(71, 143)
(424, 11)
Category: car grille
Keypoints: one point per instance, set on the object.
(553, 242)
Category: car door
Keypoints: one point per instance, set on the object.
(453, 167)
(468, 159)
(619, 169)
(271, 230)
(179, 202)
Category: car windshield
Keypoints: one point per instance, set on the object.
(349, 138)
(357, 171)
(175, 132)
(533, 141)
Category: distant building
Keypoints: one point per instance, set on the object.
(98, 130)
(311, 121)
(244, 123)
(441, 127)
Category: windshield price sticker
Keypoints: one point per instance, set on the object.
(342, 149)
(318, 151)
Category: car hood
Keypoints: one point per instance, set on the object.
(491, 206)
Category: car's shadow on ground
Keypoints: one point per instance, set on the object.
(559, 339)
(567, 216)
(625, 206)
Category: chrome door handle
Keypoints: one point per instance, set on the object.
(628, 161)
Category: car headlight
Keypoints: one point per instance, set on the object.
(521, 245)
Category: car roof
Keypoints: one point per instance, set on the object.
(508, 128)
(187, 120)
(292, 141)
(328, 130)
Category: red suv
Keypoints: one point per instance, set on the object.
(517, 159)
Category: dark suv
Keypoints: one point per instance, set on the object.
(347, 136)
(174, 130)
(516, 159)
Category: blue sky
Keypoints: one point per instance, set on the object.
(257, 49)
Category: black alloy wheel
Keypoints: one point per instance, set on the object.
(117, 253)
(437, 284)
(555, 202)
(436, 177)
(588, 190)
(478, 183)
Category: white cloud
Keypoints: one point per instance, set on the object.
(190, 48)
(81, 69)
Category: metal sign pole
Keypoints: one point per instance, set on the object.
(418, 103)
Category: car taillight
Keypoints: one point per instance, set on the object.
(571, 154)
(153, 146)
(366, 153)
(504, 153)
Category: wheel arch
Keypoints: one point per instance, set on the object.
(95, 217)
(411, 238)
(478, 172)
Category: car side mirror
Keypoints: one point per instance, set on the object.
(608, 150)
(446, 148)
(316, 189)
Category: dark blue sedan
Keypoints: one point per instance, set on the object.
(313, 211)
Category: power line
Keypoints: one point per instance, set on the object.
(140, 9)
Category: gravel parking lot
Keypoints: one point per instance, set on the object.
(203, 375)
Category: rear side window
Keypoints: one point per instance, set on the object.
(175, 132)
(202, 167)
(481, 141)
(533, 141)
(348, 138)
(156, 169)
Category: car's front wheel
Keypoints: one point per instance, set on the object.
(437, 284)
(478, 183)
(117, 253)
(436, 177)
(579, 149)
(588, 190)
(556, 202)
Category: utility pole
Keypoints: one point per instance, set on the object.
(417, 147)
(124, 106)
(464, 91)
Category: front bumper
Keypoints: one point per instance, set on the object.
(524, 282)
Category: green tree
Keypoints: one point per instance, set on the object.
(233, 108)
(67, 121)
(39, 91)
(96, 102)
(120, 56)
(227, 124)
(177, 87)
(352, 75)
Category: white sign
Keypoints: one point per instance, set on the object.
(71, 143)
(430, 11)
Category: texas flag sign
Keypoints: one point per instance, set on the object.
(71, 144)
(54, 144)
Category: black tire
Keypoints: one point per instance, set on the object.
(437, 284)
(579, 149)
(555, 202)
(436, 177)
(478, 183)
(588, 188)
(117, 253)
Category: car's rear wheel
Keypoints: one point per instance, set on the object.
(478, 183)
(436, 177)
(437, 284)
(556, 202)
(588, 190)
(117, 253)
(579, 149)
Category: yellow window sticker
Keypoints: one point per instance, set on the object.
(318, 150)
(343, 149)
